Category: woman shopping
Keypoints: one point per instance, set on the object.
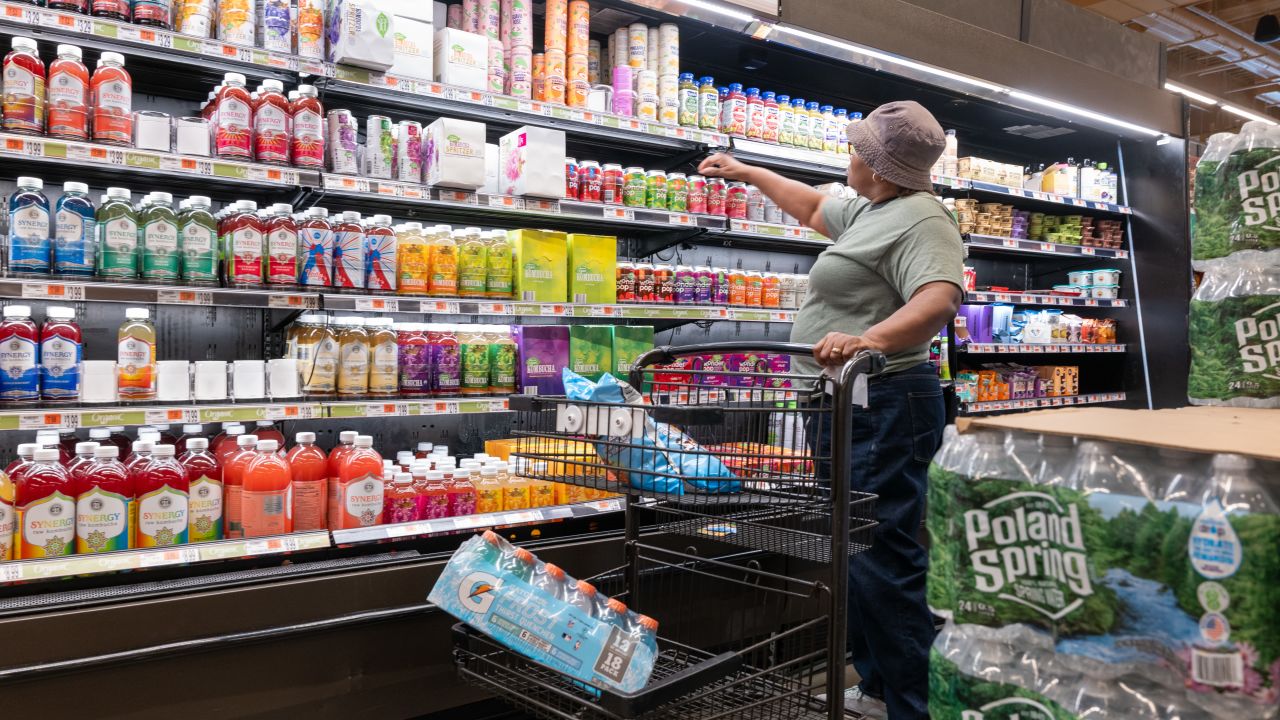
(891, 280)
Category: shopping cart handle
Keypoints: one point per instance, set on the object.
(867, 362)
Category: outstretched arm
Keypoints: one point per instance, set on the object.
(795, 198)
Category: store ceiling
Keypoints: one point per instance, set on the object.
(1210, 49)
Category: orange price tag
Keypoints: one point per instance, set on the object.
(174, 415)
(229, 50)
(188, 164)
(53, 419)
(477, 97)
(441, 407)
(66, 21)
(13, 145)
(348, 183)
(55, 290)
(273, 175)
(392, 81)
(13, 11)
(291, 411)
(147, 35)
(389, 409)
(97, 153)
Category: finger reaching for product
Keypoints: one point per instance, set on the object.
(725, 166)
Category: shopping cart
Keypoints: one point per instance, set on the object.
(725, 457)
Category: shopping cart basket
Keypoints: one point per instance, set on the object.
(739, 636)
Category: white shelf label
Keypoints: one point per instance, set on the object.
(184, 297)
(367, 304)
(53, 291)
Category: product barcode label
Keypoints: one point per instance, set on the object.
(529, 296)
(1217, 669)
(580, 298)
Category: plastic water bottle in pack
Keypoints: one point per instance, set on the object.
(1023, 449)
(1056, 456)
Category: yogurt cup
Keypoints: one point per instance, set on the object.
(1083, 278)
(1106, 277)
(1104, 292)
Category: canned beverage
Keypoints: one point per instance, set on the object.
(771, 291)
(556, 62)
(645, 288)
(624, 103)
(677, 192)
(646, 83)
(787, 291)
(579, 27)
(593, 62)
(685, 285)
(408, 165)
(802, 289)
(571, 187)
(556, 32)
(554, 89)
(453, 17)
(491, 19)
(576, 68)
(772, 213)
(755, 204)
(717, 189)
(538, 73)
(719, 286)
(664, 285)
(576, 93)
(634, 187)
(637, 45)
(754, 289)
(655, 190)
(379, 147)
(342, 142)
(735, 203)
(647, 110)
(737, 287)
(626, 282)
(668, 48)
(611, 184)
(697, 194)
(590, 181)
(703, 283)
(521, 25)
(651, 54)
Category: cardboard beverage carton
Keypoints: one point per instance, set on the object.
(462, 59)
(593, 261)
(455, 154)
(531, 162)
(544, 353)
(541, 260)
(413, 45)
(591, 350)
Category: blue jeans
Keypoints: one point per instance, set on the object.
(890, 626)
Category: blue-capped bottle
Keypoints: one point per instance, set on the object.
(29, 228)
(817, 128)
(755, 114)
(786, 121)
(687, 94)
(708, 103)
(19, 356)
(74, 231)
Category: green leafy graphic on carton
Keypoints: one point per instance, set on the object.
(1235, 351)
(956, 696)
(383, 24)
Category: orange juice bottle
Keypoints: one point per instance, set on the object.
(346, 443)
(265, 498)
(111, 95)
(233, 484)
(310, 471)
(443, 249)
(360, 486)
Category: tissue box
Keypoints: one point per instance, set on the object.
(541, 259)
(361, 33)
(412, 45)
(593, 262)
(532, 162)
(590, 350)
(544, 353)
(462, 59)
(491, 163)
(629, 343)
(455, 153)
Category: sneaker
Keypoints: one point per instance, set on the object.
(865, 705)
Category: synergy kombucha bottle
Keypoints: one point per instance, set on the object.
(104, 506)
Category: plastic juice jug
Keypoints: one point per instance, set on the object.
(348, 251)
(265, 502)
(316, 254)
(462, 495)
(473, 262)
(308, 129)
(24, 91)
(8, 517)
(413, 258)
(309, 469)
(19, 371)
(161, 486)
(158, 247)
(104, 504)
(360, 486)
(111, 96)
(271, 139)
(399, 500)
(136, 356)
(346, 443)
(82, 458)
(74, 244)
(205, 502)
(233, 485)
(44, 495)
(443, 250)
(380, 254)
(282, 244)
(29, 247)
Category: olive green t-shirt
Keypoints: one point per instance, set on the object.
(881, 255)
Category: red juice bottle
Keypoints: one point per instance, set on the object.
(307, 120)
(205, 501)
(162, 488)
(360, 486)
(140, 455)
(189, 432)
(120, 440)
(244, 231)
(462, 494)
(68, 93)
(233, 120)
(399, 500)
(104, 504)
(19, 364)
(346, 443)
(83, 458)
(265, 498)
(282, 248)
(434, 496)
(67, 442)
(24, 93)
(45, 500)
(233, 484)
(310, 471)
(26, 452)
(267, 430)
(271, 139)
(167, 437)
(224, 445)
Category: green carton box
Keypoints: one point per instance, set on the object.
(629, 343)
(591, 350)
(593, 265)
(541, 259)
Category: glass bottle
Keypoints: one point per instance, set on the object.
(111, 96)
(29, 247)
(316, 253)
(413, 260)
(384, 357)
(443, 250)
(68, 95)
(136, 357)
(498, 263)
(473, 255)
(353, 354)
(380, 254)
(61, 347)
(158, 247)
(117, 224)
(74, 231)
(19, 367)
(282, 243)
(24, 89)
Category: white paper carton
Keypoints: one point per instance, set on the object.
(413, 9)
(414, 52)
(455, 154)
(361, 33)
(461, 59)
(491, 164)
(531, 162)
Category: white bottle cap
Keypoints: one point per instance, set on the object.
(364, 441)
(351, 216)
(23, 43)
(198, 444)
(435, 475)
(424, 447)
(1230, 462)
(273, 85)
(99, 433)
(137, 313)
(191, 429)
(58, 312)
(151, 436)
(142, 446)
(119, 193)
(380, 220)
(17, 310)
(304, 437)
(165, 450)
(403, 478)
(347, 436)
(77, 187)
(265, 423)
(27, 450)
(46, 455)
(246, 441)
(106, 451)
(233, 79)
(111, 57)
(70, 50)
(488, 471)
(162, 197)
(31, 182)
(200, 200)
(85, 448)
(268, 445)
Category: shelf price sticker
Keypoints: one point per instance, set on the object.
(373, 304)
(677, 218)
(53, 291)
(505, 202)
(41, 421)
(387, 410)
(548, 206)
(458, 196)
(184, 297)
(619, 213)
(10, 572)
(293, 302)
(172, 416)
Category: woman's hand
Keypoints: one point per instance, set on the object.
(724, 165)
(837, 348)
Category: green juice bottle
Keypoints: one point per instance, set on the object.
(198, 235)
(473, 252)
(117, 236)
(159, 252)
(474, 345)
(503, 356)
(498, 266)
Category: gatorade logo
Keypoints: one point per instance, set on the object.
(475, 591)
(1013, 708)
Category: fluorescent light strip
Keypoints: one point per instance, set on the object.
(1246, 114)
(1074, 110)
(903, 62)
(1190, 93)
(721, 10)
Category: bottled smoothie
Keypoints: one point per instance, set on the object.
(380, 254)
(817, 126)
(117, 223)
(162, 490)
(346, 443)
(800, 131)
(243, 230)
(29, 246)
(19, 366)
(473, 255)
(353, 354)
(399, 500)
(413, 260)
(316, 235)
(104, 503)
(61, 347)
(24, 93)
(265, 498)
(786, 121)
(282, 246)
(68, 95)
(74, 232)
(158, 250)
(360, 486)
(443, 249)
(446, 360)
(233, 121)
(498, 266)
(708, 104)
(271, 140)
(197, 235)
(384, 357)
(233, 484)
(136, 356)
(308, 128)
(45, 495)
(348, 251)
(204, 477)
(308, 470)
(8, 517)
(111, 96)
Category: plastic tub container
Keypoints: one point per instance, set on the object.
(1104, 292)
(1106, 277)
